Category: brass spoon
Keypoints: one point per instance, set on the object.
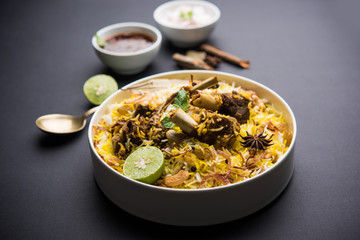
(65, 124)
(62, 123)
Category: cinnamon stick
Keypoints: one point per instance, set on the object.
(189, 62)
(225, 56)
(211, 81)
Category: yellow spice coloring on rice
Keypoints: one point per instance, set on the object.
(241, 137)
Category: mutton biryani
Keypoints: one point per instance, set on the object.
(201, 135)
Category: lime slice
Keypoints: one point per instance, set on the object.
(99, 87)
(146, 164)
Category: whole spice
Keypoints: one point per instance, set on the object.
(190, 63)
(209, 82)
(212, 61)
(196, 54)
(256, 142)
(225, 56)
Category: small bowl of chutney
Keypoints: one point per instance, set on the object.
(127, 48)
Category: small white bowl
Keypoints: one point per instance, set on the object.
(132, 62)
(195, 207)
(188, 36)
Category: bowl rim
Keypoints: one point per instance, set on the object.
(219, 188)
(118, 27)
(162, 7)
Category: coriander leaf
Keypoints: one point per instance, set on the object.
(100, 41)
(167, 123)
(190, 15)
(182, 100)
(186, 15)
(182, 15)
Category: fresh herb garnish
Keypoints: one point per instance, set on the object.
(190, 15)
(167, 123)
(186, 16)
(100, 41)
(182, 100)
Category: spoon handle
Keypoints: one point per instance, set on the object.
(90, 111)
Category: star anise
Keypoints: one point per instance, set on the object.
(256, 142)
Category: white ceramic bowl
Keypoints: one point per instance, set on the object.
(186, 36)
(195, 207)
(132, 62)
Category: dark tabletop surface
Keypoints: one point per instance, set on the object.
(307, 51)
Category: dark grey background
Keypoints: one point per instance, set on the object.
(307, 51)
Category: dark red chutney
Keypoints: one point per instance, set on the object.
(128, 42)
